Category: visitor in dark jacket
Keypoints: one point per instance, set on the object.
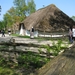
(3, 33)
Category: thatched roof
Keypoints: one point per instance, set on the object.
(63, 64)
(48, 19)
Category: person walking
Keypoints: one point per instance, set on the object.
(3, 33)
(9, 32)
(32, 33)
(73, 32)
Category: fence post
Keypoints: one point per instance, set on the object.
(14, 48)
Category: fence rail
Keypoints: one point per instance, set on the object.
(15, 51)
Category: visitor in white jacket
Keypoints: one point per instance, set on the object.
(73, 32)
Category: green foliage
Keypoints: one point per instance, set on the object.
(2, 61)
(6, 67)
(19, 12)
(31, 6)
(2, 25)
(20, 36)
(48, 51)
(31, 59)
(57, 47)
(7, 71)
(8, 20)
(20, 8)
(73, 17)
(54, 49)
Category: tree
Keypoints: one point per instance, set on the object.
(1, 25)
(8, 20)
(31, 6)
(21, 8)
(73, 17)
(19, 12)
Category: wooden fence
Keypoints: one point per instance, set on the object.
(8, 45)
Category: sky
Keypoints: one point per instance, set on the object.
(67, 6)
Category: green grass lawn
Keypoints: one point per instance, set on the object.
(43, 38)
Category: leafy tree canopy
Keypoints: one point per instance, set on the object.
(19, 12)
(73, 17)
